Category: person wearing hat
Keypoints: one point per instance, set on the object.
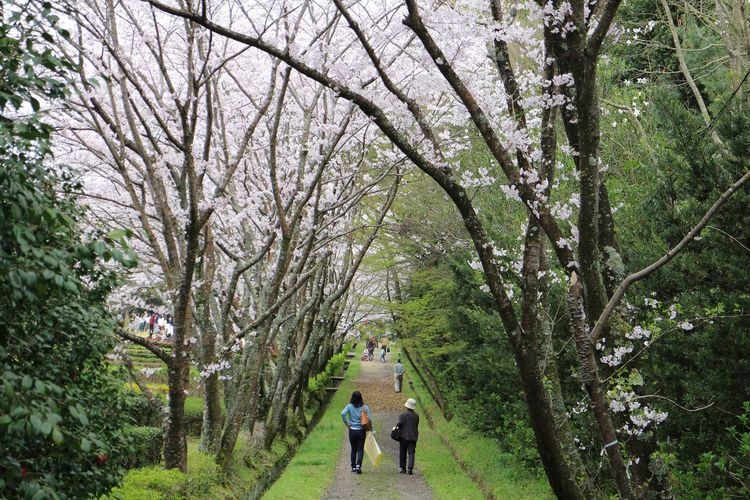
(409, 424)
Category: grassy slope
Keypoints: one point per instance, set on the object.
(500, 472)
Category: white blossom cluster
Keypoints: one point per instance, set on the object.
(219, 367)
(615, 358)
(640, 416)
(148, 372)
(558, 18)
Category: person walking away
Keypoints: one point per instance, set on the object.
(398, 374)
(352, 417)
(382, 352)
(409, 423)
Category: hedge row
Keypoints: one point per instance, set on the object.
(145, 446)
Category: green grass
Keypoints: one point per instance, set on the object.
(313, 466)
(439, 468)
(501, 473)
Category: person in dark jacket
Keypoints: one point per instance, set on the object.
(409, 423)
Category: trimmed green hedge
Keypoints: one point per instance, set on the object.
(203, 480)
(145, 446)
(317, 384)
(151, 483)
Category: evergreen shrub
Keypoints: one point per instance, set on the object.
(145, 449)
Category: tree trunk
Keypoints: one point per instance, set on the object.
(175, 442)
(543, 422)
(422, 370)
(592, 383)
(245, 395)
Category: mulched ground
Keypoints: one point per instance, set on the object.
(375, 382)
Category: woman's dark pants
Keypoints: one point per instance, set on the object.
(357, 440)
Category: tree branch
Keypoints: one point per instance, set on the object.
(665, 259)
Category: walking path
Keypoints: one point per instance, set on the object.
(375, 382)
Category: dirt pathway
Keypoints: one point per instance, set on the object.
(375, 382)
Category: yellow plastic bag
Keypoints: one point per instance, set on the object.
(373, 450)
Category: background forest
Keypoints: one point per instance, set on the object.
(482, 182)
(668, 126)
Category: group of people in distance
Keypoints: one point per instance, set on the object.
(408, 422)
(156, 324)
(369, 353)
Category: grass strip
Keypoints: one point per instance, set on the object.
(499, 474)
(311, 470)
(438, 466)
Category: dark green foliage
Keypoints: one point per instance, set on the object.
(142, 410)
(451, 323)
(60, 421)
(145, 449)
(668, 186)
(703, 366)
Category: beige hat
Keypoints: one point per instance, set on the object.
(410, 403)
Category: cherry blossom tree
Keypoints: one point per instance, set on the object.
(517, 73)
(241, 189)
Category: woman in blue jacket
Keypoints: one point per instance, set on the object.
(352, 417)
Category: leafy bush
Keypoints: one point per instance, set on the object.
(145, 449)
(142, 410)
(152, 483)
(60, 425)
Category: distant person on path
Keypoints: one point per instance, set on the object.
(144, 322)
(409, 423)
(398, 374)
(366, 355)
(352, 417)
(370, 347)
(169, 330)
(383, 350)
